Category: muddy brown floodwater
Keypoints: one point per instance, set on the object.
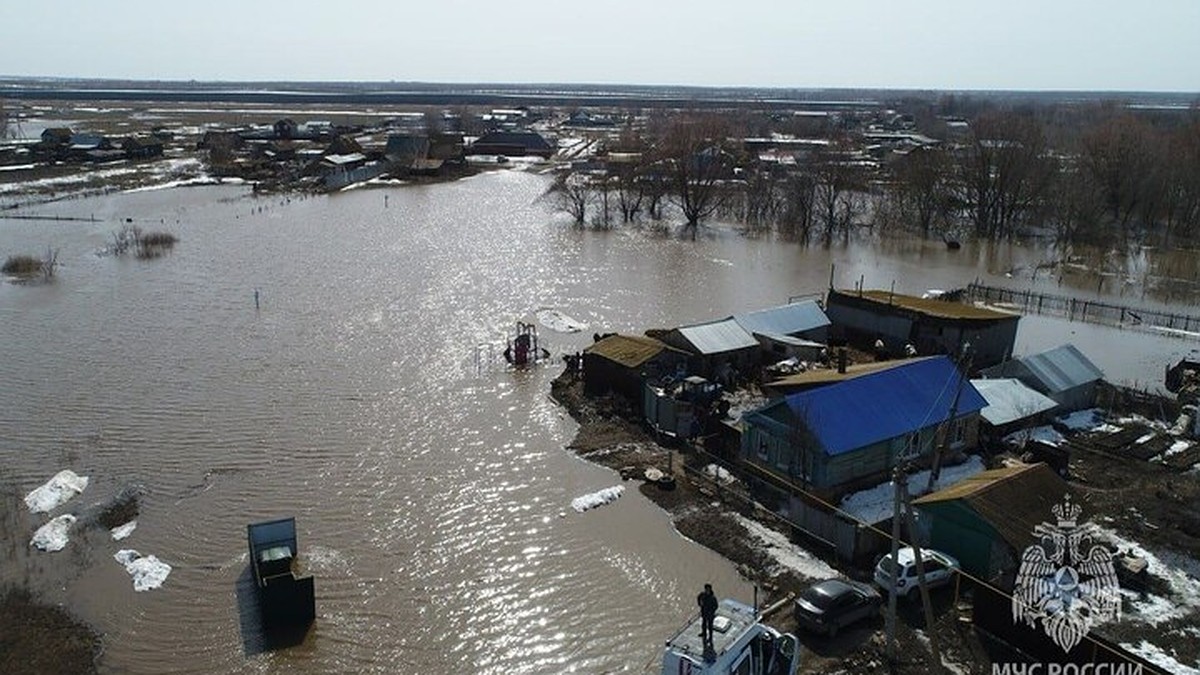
(365, 396)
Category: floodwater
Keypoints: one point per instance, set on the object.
(362, 396)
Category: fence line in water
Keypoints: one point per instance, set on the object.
(1091, 311)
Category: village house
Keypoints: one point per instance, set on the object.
(837, 438)
(721, 350)
(512, 144)
(987, 520)
(139, 147)
(622, 363)
(931, 326)
(1063, 374)
(798, 329)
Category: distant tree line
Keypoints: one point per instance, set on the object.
(1082, 173)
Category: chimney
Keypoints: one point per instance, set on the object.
(841, 360)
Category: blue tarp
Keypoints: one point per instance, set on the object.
(892, 403)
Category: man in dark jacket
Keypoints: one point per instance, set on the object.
(708, 611)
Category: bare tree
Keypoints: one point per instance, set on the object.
(835, 177)
(1121, 160)
(572, 192)
(922, 185)
(800, 199)
(696, 161)
(1002, 173)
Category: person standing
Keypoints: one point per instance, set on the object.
(707, 601)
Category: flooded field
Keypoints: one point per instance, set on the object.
(362, 395)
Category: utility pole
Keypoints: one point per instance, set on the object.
(962, 365)
(898, 480)
(927, 606)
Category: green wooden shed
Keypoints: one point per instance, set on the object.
(987, 520)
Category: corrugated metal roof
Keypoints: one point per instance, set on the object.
(1013, 500)
(932, 306)
(890, 403)
(630, 351)
(796, 317)
(1062, 368)
(1008, 400)
(789, 340)
(718, 336)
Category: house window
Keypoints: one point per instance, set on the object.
(762, 451)
(958, 432)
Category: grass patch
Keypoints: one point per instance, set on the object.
(22, 265)
(43, 639)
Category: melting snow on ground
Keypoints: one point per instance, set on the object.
(53, 535)
(787, 554)
(1160, 658)
(719, 474)
(1091, 419)
(581, 504)
(557, 321)
(56, 492)
(1176, 448)
(148, 572)
(122, 531)
(1179, 573)
(875, 504)
(1045, 434)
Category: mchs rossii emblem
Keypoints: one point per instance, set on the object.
(1067, 579)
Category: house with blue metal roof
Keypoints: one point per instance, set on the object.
(837, 438)
(1063, 373)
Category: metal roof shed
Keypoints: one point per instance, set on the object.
(1063, 373)
(1008, 401)
(718, 337)
(805, 319)
(1063, 368)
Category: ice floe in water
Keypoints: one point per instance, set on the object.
(148, 572)
(557, 321)
(122, 531)
(53, 535)
(595, 499)
(56, 492)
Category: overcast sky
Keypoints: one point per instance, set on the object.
(1149, 45)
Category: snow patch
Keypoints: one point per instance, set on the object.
(57, 491)
(53, 535)
(719, 474)
(148, 572)
(787, 554)
(600, 498)
(1176, 448)
(1160, 658)
(1180, 575)
(875, 504)
(1083, 420)
(555, 320)
(122, 531)
(1045, 434)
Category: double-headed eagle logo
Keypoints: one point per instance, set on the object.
(1068, 587)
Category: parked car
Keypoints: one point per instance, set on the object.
(830, 605)
(939, 570)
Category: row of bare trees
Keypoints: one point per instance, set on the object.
(1120, 177)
